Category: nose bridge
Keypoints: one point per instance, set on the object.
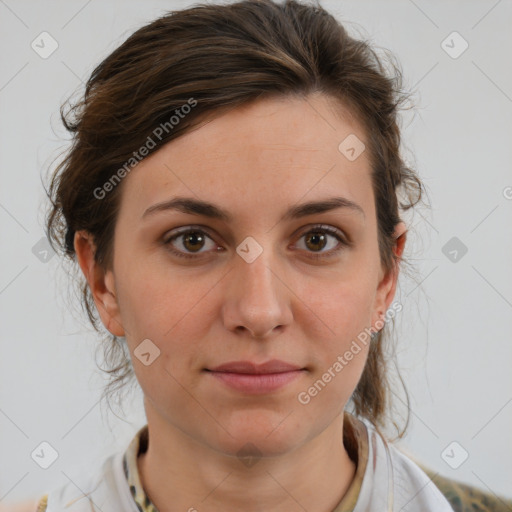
(256, 298)
(258, 275)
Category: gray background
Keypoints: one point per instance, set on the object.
(455, 346)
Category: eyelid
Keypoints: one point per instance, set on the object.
(332, 230)
(343, 239)
(304, 229)
(174, 233)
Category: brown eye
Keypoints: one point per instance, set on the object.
(317, 239)
(193, 241)
(189, 241)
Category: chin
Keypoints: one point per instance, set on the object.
(268, 432)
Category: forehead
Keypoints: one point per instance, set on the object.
(256, 157)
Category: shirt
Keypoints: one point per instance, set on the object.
(386, 480)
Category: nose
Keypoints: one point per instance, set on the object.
(258, 299)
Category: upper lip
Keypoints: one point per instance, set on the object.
(272, 366)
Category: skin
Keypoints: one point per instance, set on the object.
(24, 506)
(254, 161)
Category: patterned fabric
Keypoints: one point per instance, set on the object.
(462, 497)
(138, 445)
(41, 507)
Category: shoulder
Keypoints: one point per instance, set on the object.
(467, 498)
(104, 486)
(412, 487)
(461, 497)
(392, 477)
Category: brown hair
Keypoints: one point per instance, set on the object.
(218, 57)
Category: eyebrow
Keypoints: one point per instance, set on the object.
(198, 207)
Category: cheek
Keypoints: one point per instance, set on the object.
(333, 383)
(157, 304)
(340, 308)
(346, 311)
(175, 315)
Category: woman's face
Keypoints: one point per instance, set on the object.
(260, 284)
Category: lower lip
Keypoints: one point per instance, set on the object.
(257, 384)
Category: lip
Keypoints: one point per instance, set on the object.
(254, 379)
(256, 383)
(248, 367)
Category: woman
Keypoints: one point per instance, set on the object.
(231, 198)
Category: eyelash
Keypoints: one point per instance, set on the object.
(320, 228)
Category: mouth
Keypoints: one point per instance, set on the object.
(251, 378)
(256, 383)
(251, 368)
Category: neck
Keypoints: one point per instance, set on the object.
(180, 473)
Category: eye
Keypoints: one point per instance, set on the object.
(192, 240)
(317, 237)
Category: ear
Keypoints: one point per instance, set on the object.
(101, 283)
(387, 285)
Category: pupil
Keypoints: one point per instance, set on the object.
(194, 237)
(315, 236)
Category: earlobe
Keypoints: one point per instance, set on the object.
(100, 283)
